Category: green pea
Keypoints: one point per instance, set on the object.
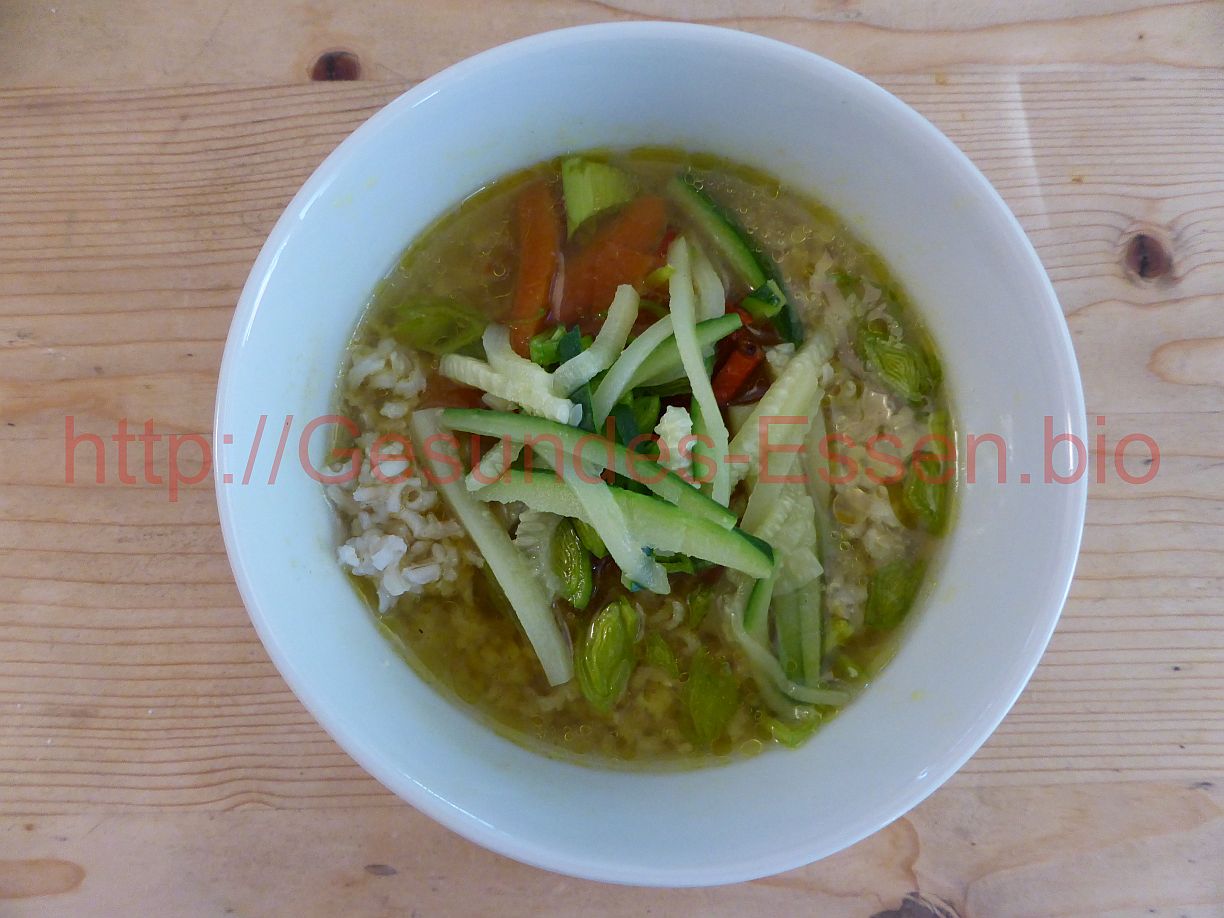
(606, 655)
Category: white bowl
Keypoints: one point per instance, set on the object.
(1006, 565)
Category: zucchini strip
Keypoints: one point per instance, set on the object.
(769, 673)
(683, 310)
(664, 366)
(790, 395)
(602, 512)
(618, 379)
(592, 449)
(507, 565)
(711, 296)
(607, 345)
(653, 522)
(492, 464)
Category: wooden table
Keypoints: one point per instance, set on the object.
(152, 762)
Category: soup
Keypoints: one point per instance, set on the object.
(646, 461)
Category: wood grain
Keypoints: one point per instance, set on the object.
(148, 42)
(152, 760)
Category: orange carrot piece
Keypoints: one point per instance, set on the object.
(622, 251)
(537, 229)
(736, 370)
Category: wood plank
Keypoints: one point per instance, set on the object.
(1072, 851)
(92, 43)
(146, 648)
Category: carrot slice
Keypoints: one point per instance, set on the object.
(622, 251)
(537, 230)
(736, 370)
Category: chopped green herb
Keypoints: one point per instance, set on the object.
(544, 347)
(765, 302)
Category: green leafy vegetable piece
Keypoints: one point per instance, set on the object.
(677, 564)
(766, 301)
(794, 734)
(924, 493)
(837, 633)
(892, 592)
(590, 188)
(662, 656)
(437, 325)
(544, 347)
(635, 417)
(909, 371)
(590, 538)
(711, 697)
(571, 563)
(646, 412)
(606, 656)
(676, 387)
(570, 344)
(652, 307)
(627, 429)
(699, 603)
(659, 276)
